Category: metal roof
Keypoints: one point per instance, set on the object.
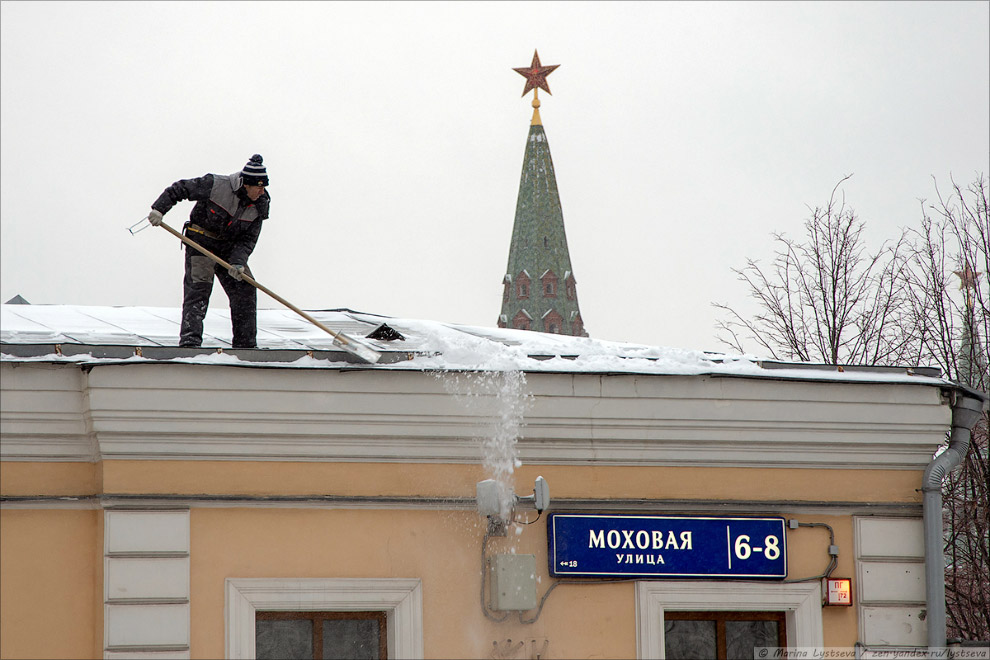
(84, 334)
(153, 332)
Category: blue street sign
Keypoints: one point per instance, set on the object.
(587, 545)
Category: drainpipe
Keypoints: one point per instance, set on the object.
(967, 408)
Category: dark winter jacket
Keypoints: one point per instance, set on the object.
(222, 209)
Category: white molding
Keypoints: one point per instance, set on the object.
(146, 582)
(47, 449)
(400, 598)
(889, 616)
(896, 538)
(146, 655)
(398, 449)
(145, 578)
(800, 601)
(155, 411)
(657, 451)
(146, 627)
(146, 531)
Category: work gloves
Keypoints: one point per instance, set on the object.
(236, 271)
(155, 218)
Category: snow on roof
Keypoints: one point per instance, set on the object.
(46, 333)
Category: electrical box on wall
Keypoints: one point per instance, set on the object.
(513, 582)
(837, 591)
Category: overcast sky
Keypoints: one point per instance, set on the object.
(682, 135)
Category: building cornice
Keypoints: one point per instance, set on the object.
(176, 411)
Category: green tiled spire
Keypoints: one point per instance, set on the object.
(540, 291)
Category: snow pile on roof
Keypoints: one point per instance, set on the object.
(494, 349)
(426, 345)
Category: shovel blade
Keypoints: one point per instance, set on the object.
(354, 347)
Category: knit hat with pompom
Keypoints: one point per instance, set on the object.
(254, 173)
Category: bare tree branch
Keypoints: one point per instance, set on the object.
(922, 300)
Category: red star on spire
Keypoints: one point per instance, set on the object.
(968, 277)
(536, 75)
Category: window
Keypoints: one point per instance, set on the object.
(321, 635)
(721, 635)
(522, 284)
(577, 327)
(549, 282)
(800, 603)
(399, 599)
(570, 287)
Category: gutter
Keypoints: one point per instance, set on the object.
(967, 408)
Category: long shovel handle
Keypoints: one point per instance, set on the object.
(250, 280)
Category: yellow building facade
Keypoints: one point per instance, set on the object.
(164, 506)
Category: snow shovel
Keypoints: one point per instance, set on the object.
(349, 344)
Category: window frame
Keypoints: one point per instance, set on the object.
(400, 598)
(801, 603)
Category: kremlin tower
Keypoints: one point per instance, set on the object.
(540, 290)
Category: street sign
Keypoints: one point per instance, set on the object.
(593, 545)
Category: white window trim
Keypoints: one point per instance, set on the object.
(800, 601)
(401, 599)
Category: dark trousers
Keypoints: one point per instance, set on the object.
(197, 285)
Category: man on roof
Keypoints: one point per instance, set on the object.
(226, 220)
